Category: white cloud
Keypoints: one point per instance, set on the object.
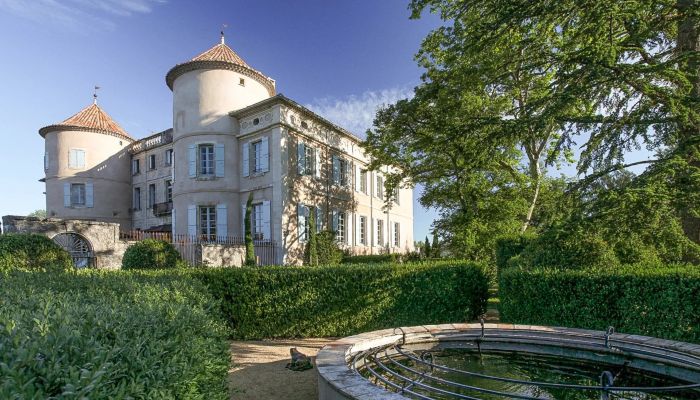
(356, 112)
(78, 15)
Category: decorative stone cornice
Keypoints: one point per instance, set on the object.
(62, 128)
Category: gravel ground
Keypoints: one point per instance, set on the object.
(258, 371)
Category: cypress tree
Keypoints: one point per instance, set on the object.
(426, 247)
(249, 245)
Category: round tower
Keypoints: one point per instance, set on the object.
(206, 172)
(87, 171)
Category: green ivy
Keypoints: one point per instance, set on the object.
(347, 299)
(647, 299)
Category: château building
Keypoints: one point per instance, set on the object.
(232, 135)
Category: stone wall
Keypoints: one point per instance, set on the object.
(217, 255)
(103, 237)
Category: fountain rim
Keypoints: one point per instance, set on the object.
(338, 380)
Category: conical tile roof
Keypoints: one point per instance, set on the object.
(91, 118)
(220, 57)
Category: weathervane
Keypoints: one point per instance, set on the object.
(223, 27)
(94, 94)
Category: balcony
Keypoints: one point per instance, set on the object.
(161, 209)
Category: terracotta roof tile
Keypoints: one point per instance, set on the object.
(92, 118)
(221, 52)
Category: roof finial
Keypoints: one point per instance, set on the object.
(223, 27)
(94, 95)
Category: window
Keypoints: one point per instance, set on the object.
(77, 194)
(135, 166)
(340, 171)
(396, 196)
(380, 232)
(307, 159)
(151, 195)
(363, 181)
(363, 230)
(46, 161)
(169, 157)
(257, 221)
(379, 191)
(206, 159)
(340, 227)
(207, 223)
(257, 156)
(397, 237)
(137, 198)
(152, 161)
(303, 222)
(168, 191)
(76, 159)
(241, 81)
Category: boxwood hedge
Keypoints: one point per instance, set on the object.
(343, 300)
(647, 299)
(32, 252)
(116, 335)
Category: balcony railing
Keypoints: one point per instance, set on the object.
(160, 209)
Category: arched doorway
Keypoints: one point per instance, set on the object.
(78, 247)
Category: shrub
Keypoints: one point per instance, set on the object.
(110, 335)
(508, 246)
(32, 252)
(647, 299)
(347, 299)
(150, 254)
(568, 249)
(370, 259)
(327, 249)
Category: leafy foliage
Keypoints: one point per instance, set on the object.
(32, 252)
(328, 251)
(41, 213)
(110, 335)
(311, 249)
(646, 298)
(249, 244)
(346, 299)
(150, 254)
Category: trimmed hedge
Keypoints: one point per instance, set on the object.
(32, 252)
(370, 259)
(150, 254)
(343, 300)
(646, 299)
(110, 335)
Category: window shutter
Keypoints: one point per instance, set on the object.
(301, 222)
(80, 156)
(243, 220)
(317, 162)
(372, 238)
(336, 169)
(221, 221)
(172, 223)
(319, 219)
(265, 162)
(72, 161)
(348, 174)
(334, 221)
(219, 160)
(246, 160)
(192, 220)
(46, 161)
(192, 159)
(66, 194)
(357, 178)
(89, 197)
(301, 158)
(266, 220)
(348, 228)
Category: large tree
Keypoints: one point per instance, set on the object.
(622, 76)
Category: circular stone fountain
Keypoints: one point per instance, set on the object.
(498, 361)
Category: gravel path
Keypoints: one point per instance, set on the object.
(258, 371)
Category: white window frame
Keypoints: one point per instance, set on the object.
(135, 166)
(77, 194)
(257, 150)
(341, 221)
(397, 234)
(257, 222)
(380, 232)
(363, 181)
(136, 200)
(151, 162)
(379, 189)
(206, 216)
(363, 230)
(206, 163)
(168, 191)
(151, 195)
(168, 157)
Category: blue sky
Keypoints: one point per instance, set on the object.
(341, 58)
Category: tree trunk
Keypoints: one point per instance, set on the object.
(688, 40)
(536, 176)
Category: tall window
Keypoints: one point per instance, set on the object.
(168, 191)
(137, 198)
(207, 223)
(363, 181)
(395, 194)
(303, 222)
(257, 156)
(340, 171)
(77, 194)
(363, 230)
(206, 159)
(379, 192)
(46, 161)
(76, 158)
(169, 157)
(135, 166)
(380, 232)
(257, 216)
(397, 234)
(151, 195)
(340, 227)
(152, 161)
